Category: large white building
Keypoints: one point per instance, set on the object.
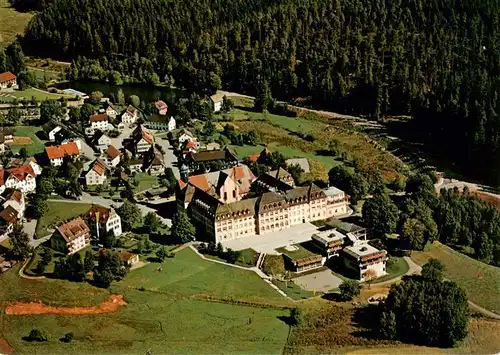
(365, 260)
(130, 115)
(99, 122)
(96, 174)
(56, 153)
(71, 236)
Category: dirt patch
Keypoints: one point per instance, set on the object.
(110, 306)
(5, 347)
(19, 140)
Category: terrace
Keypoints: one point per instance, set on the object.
(301, 259)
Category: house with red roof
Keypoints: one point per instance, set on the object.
(22, 178)
(141, 140)
(96, 174)
(111, 156)
(15, 199)
(56, 153)
(161, 107)
(7, 80)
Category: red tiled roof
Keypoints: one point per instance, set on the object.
(98, 118)
(7, 76)
(112, 152)
(190, 144)
(99, 167)
(62, 150)
(161, 105)
(9, 215)
(253, 157)
(200, 181)
(100, 212)
(73, 229)
(16, 196)
(147, 137)
(19, 172)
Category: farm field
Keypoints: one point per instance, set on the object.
(168, 317)
(59, 211)
(480, 281)
(36, 146)
(12, 23)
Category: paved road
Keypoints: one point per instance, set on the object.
(169, 157)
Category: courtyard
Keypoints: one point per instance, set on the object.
(321, 281)
(267, 243)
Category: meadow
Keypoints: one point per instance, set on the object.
(12, 23)
(36, 146)
(480, 281)
(183, 305)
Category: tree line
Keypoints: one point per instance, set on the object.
(436, 60)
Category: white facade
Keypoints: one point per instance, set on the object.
(217, 106)
(113, 163)
(19, 206)
(101, 125)
(110, 111)
(92, 178)
(185, 137)
(26, 185)
(52, 134)
(171, 124)
(129, 116)
(56, 161)
(365, 260)
(143, 146)
(114, 223)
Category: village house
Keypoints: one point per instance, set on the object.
(213, 146)
(161, 107)
(7, 80)
(110, 111)
(366, 261)
(8, 218)
(299, 259)
(101, 140)
(224, 156)
(154, 163)
(141, 140)
(111, 156)
(135, 165)
(71, 236)
(103, 220)
(56, 153)
(160, 123)
(128, 259)
(189, 147)
(15, 199)
(184, 135)
(96, 174)
(51, 129)
(129, 115)
(99, 122)
(31, 161)
(21, 178)
(217, 100)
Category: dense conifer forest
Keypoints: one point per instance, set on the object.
(437, 60)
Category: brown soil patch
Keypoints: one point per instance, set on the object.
(19, 140)
(5, 347)
(110, 306)
(489, 198)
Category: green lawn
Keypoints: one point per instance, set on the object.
(145, 182)
(169, 316)
(45, 74)
(38, 94)
(293, 290)
(57, 212)
(480, 281)
(12, 23)
(38, 145)
(187, 275)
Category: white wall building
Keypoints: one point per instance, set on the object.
(96, 174)
(130, 115)
(366, 261)
(102, 219)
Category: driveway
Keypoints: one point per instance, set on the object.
(267, 243)
(169, 157)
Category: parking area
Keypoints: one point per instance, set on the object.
(321, 281)
(267, 243)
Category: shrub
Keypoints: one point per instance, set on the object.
(37, 335)
(68, 337)
(349, 289)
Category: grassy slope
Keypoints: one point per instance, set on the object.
(12, 23)
(59, 211)
(168, 321)
(480, 281)
(38, 94)
(37, 146)
(187, 275)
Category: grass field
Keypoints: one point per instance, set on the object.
(145, 181)
(167, 319)
(38, 94)
(12, 23)
(37, 146)
(45, 74)
(481, 282)
(293, 290)
(396, 268)
(187, 275)
(59, 211)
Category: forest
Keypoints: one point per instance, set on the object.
(438, 61)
